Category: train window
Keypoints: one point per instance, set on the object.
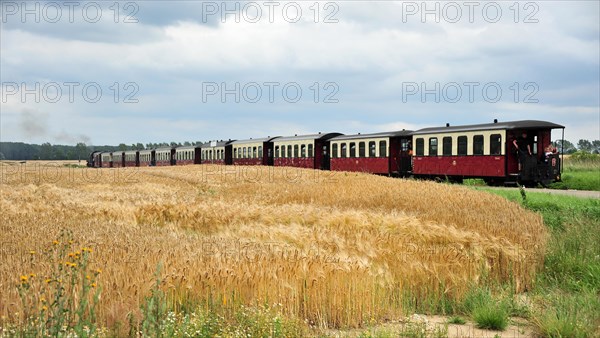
(404, 145)
(382, 149)
(478, 145)
(372, 149)
(495, 144)
(296, 150)
(303, 150)
(334, 152)
(361, 149)
(352, 149)
(276, 151)
(433, 146)
(447, 146)
(343, 149)
(260, 152)
(420, 150)
(245, 152)
(310, 150)
(235, 153)
(462, 145)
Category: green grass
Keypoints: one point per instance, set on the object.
(581, 171)
(566, 298)
(491, 316)
(456, 320)
(579, 180)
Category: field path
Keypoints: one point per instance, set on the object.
(576, 193)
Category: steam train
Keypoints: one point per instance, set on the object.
(451, 153)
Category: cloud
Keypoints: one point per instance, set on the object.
(371, 53)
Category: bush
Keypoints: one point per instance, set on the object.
(491, 316)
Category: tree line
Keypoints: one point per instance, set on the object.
(23, 151)
(46, 151)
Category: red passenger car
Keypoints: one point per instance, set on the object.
(304, 151)
(118, 159)
(380, 153)
(106, 160)
(253, 151)
(131, 158)
(147, 158)
(217, 152)
(486, 151)
(187, 155)
(164, 156)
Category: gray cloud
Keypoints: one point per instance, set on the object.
(369, 53)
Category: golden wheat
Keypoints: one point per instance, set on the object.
(337, 249)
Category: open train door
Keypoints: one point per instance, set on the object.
(268, 156)
(321, 154)
(405, 158)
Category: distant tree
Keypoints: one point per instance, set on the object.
(46, 151)
(81, 151)
(596, 146)
(122, 147)
(2, 158)
(139, 146)
(58, 154)
(584, 145)
(569, 147)
(187, 143)
(173, 144)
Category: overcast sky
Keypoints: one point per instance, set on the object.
(157, 71)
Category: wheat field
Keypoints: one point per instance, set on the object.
(334, 249)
